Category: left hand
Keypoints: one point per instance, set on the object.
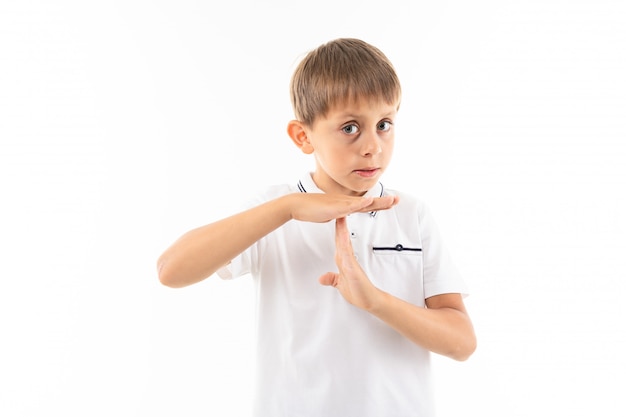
(351, 280)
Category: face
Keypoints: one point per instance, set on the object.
(352, 146)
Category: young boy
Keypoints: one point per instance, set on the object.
(361, 348)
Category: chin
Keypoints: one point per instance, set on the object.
(363, 188)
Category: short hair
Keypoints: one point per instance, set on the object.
(339, 71)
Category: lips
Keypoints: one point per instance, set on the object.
(367, 172)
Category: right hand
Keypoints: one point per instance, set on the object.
(322, 208)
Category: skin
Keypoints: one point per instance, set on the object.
(352, 145)
(443, 327)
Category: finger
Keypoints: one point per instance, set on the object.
(361, 203)
(344, 254)
(342, 236)
(329, 279)
(344, 206)
(381, 203)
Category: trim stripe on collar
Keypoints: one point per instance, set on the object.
(382, 191)
(303, 190)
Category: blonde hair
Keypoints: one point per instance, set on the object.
(341, 71)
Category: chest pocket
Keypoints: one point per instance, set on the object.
(398, 270)
(381, 250)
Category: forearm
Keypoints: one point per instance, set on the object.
(200, 252)
(446, 331)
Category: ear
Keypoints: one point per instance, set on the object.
(297, 133)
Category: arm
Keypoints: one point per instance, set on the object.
(444, 327)
(200, 252)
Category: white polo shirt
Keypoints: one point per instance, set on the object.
(317, 355)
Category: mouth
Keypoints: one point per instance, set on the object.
(367, 172)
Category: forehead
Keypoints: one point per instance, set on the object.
(370, 107)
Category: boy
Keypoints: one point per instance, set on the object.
(362, 348)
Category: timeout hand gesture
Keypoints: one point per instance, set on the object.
(351, 281)
(321, 208)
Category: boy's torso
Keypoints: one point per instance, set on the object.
(319, 355)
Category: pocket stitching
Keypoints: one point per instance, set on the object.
(397, 248)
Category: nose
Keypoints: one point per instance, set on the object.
(370, 144)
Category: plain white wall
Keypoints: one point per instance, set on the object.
(126, 123)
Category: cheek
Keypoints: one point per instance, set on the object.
(333, 152)
(389, 145)
(335, 160)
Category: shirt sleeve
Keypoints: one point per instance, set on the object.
(440, 274)
(235, 268)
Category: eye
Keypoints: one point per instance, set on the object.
(350, 129)
(385, 125)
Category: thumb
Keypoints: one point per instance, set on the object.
(329, 279)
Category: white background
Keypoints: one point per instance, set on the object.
(124, 124)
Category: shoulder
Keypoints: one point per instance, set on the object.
(271, 192)
(408, 203)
